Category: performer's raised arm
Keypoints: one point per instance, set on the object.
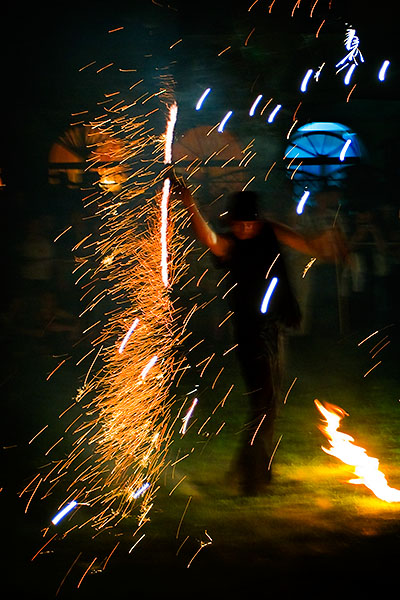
(328, 246)
(218, 244)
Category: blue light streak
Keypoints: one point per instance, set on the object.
(305, 81)
(383, 69)
(141, 490)
(344, 150)
(274, 113)
(254, 105)
(202, 98)
(349, 74)
(302, 201)
(268, 294)
(67, 509)
(224, 120)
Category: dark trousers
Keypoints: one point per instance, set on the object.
(259, 355)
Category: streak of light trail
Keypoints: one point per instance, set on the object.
(147, 368)
(136, 543)
(141, 490)
(344, 150)
(306, 79)
(169, 134)
(383, 69)
(254, 105)
(303, 200)
(61, 514)
(187, 417)
(182, 517)
(224, 120)
(202, 98)
(268, 294)
(349, 74)
(274, 113)
(128, 335)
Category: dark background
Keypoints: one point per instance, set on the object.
(43, 49)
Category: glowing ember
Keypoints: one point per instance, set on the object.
(342, 446)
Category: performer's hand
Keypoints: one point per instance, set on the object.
(169, 173)
(180, 189)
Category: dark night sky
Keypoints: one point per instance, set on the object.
(43, 49)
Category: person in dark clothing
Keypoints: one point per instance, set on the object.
(263, 306)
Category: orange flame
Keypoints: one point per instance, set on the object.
(342, 446)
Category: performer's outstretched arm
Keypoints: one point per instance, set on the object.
(328, 246)
(218, 244)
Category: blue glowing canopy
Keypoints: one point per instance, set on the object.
(319, 154)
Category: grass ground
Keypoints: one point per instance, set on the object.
(311, 528)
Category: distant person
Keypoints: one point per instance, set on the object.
(250, 252)
(369, 269)
(323, 281)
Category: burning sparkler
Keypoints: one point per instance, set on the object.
(124, 430)
(342, 446)
(165, 193)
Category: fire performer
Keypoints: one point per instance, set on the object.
(263, 307)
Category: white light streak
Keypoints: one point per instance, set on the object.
(268, 294)
(383, 69)
(254, 105)
(350, 60)
(128, 335)
(147, 368)
(274, 113)
(224, 120)
(349, 74)
(164, 231)
(344, 150)
(302, 201)
(67, 509)
(141, 490)
(187, 417)
(169, 135)
(318, 72)
(202, 98)
(306, 79)
(351, 43)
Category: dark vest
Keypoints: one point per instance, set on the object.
(248, 264)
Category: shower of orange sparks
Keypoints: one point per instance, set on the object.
(342, 446)
(124, 429)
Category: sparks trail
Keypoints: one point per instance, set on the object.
(122, 434)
